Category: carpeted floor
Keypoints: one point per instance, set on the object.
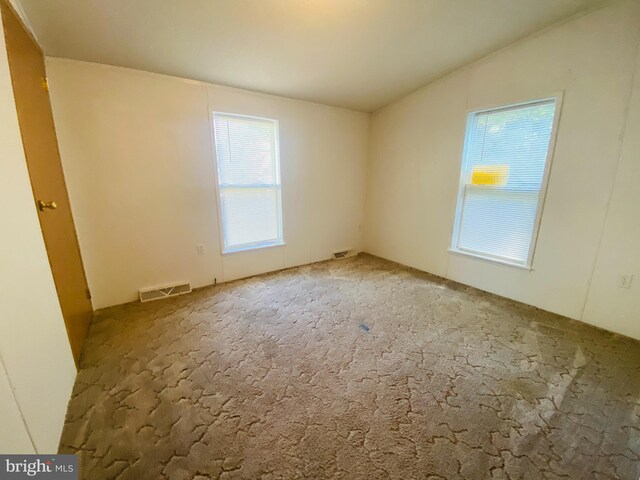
(358, 369)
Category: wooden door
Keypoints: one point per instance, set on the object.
(30, 88)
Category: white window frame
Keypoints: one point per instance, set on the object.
(278, 242)
(455, 236)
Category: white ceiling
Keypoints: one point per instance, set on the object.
(358, 54)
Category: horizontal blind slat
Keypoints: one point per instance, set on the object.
(248, 180)
(507, 151)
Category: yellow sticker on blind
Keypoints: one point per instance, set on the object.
(490, 175)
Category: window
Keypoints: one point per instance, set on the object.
(248, 181)
(504, 169)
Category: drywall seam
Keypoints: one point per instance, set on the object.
(15, 400)
(214, 162)
(621, 138)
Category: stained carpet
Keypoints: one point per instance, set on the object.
(352, 369)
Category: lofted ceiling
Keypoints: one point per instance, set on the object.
(358, 54)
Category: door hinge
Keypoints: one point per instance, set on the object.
(44, 83)
(87, 292)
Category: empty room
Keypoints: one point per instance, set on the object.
(320, 239)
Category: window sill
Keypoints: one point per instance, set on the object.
(250, 248)
(491, 260)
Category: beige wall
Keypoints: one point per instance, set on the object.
(37, 371)
(14, 437)
(608, 305)
(139, 162)
(416, 146)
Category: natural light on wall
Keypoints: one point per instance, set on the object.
(249, 187)
(504, 169)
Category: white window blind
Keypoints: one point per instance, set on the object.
(248, 181)
(503, 173)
